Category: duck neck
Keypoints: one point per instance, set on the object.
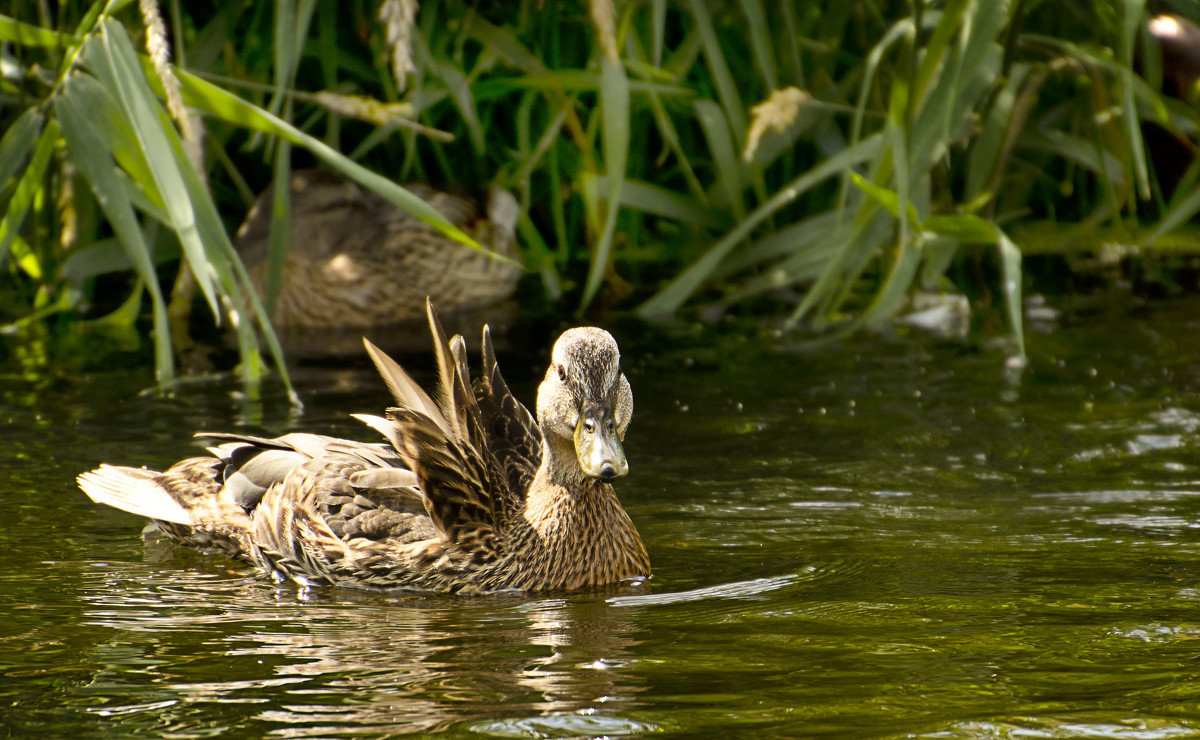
(561, 499)
(576, 532)
(567, 509)
(560, 466)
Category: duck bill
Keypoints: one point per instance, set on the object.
(599, 451)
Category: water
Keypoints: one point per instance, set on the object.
(898, 538)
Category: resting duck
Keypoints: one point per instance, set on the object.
(356, 260)
(468, 494)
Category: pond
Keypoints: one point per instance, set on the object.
(892, 538)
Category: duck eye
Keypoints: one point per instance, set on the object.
(589, 426)
(562, 373)
(610, 424)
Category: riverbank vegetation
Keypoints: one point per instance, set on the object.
(820, 161)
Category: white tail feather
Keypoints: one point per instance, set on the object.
(133, 490)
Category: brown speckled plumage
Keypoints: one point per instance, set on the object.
(356, 260)
(469, 494)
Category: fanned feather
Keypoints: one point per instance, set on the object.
(451, 410)
(515, 439)
(457, 487)
(522, 429)
(404, 389)
(464, 399)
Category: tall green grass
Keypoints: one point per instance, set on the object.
(101, 123)
(829, 157)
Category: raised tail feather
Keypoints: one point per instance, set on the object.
(133, 490)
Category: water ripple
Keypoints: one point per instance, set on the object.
(564, 726)
(740, 590)
(1069, 729)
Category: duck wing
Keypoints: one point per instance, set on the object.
(447, 446)
(462, 494)
(326, 510)
(348, 491)
(514, 436)
(358, 489)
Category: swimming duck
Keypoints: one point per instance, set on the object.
(469, 494)
(356, 260)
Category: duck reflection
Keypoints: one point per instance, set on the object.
(426, 669)
(321, 663)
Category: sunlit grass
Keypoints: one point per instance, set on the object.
(666, 154)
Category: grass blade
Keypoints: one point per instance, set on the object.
(18, 143)
(1131, 20)
(279, 235)
(614, 102)
(988, 152)
(794, 239)
(92, 152)
(25, 34)
(1010, 261)
(107, 256)
(286, 56)
(660, 201)
(152, 129)
(889, 297)
(29, 186)
(670, 298)
(460, 91)
(962, 228)
(889, 200)
(724, 152)
(1180, 213)
(727, 89)
(760, 42)
(658, 26)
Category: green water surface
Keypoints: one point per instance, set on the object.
(894, 538)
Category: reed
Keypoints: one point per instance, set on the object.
(830, 157)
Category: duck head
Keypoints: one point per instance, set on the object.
(585, 400)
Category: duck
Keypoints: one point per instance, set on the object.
(467, 492)
(355, 260)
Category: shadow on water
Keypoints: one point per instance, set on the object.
(895, 539)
